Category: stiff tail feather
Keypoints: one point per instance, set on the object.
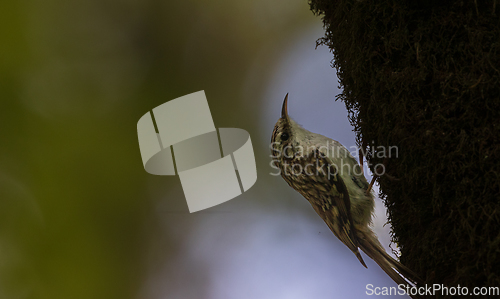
(396, 271)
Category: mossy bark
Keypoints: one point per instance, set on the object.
(425, 77)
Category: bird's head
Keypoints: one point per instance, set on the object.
(287, 137)
(282, 133)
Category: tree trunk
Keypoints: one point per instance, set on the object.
(423, 78)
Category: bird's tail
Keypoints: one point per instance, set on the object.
(370, 245)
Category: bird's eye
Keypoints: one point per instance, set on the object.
(284, 137)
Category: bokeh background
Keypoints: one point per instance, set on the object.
(79, 216)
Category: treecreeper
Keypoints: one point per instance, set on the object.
(329, 177)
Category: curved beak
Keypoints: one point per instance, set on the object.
(284, 109)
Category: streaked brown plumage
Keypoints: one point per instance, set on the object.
(315, 166)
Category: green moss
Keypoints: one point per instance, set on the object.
(426, 78)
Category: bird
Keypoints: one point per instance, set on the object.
(324, 172)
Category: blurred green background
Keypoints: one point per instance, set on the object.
(75, 76)
(79, 216)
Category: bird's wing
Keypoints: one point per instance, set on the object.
(357, 174)
(338, 216)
